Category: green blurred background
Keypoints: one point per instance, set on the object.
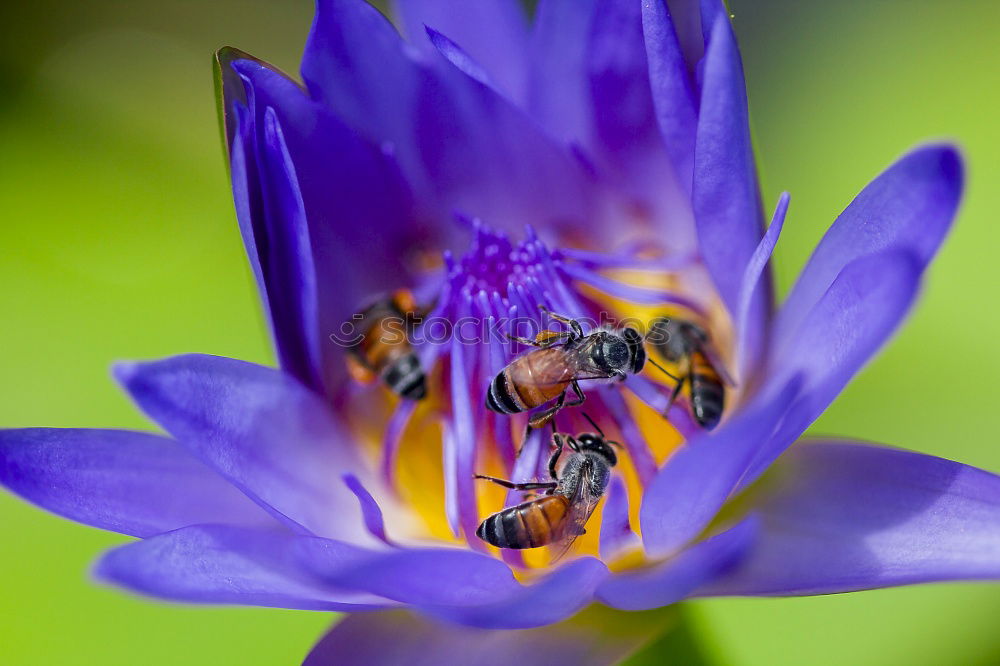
(119, 241)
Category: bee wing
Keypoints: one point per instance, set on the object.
(543, 367)
(581, 506)
(581, 359)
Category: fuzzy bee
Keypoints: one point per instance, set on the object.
(688, 344)
(558, 363)
(578, 481)
(384, 350)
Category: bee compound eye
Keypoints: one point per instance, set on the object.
(616, 353)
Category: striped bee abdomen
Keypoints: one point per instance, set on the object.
(707, 392)
(527, 525)
(501, 398)
(406, 377)
(529, 381)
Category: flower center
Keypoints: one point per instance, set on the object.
(501, 301)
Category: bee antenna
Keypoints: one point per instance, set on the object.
(663, 370)
(596, 427)
(615, 444)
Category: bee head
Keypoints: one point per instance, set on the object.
(676, 338)
(589, 442)
(636, 349)
(613, 353)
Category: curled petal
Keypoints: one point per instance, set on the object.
(910, 206)
(118, 480)
(840, 516)
(290, 253)
(371, 513)
(272, 221)
(263, 431)
(326, 234)
(756, 269)
(675, 579)
(845, 328)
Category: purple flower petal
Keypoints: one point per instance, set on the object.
(911, 205)
(627, 145)
(751, 283)
(454, 54)
(558, 90)
(461, 453)
(697, 480)
(845, 328)
(616, 530)
(673, 580)
(462, 586)
(727, 206)
(842, 516)
(272, 222)
(596, 637)
(624, 114)
(226, 565)
(565, 591)
(263, 431)
(334, 230)
(493, 32)
(461, 145)
(290, 252)
(355, 64)
(130, 482)
(423, 577)
(371, 513)
(672, 88)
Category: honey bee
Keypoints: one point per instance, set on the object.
(384, 348)
(560, 361)
(688, 344)
(560, 514)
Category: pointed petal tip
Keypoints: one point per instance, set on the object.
(943, 159)
(123, 372)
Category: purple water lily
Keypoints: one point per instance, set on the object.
(597, 160)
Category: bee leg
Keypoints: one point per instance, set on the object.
(543, 417)
(673, 396)
(572, 323)
(532, 485)
(554, 458)
(523, 341)
(543, 340)
(579, 394)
